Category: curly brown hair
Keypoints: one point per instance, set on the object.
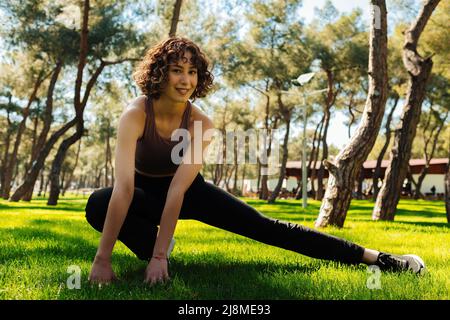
(152, 72)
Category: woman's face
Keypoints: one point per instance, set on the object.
(181, 81)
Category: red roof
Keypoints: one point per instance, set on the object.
(371, 164)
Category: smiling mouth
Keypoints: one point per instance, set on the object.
(182, 91)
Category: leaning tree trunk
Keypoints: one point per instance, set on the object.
(31, 176)
(12, 159)
(343, 172)
(377, 171)
(79, 104)
(71, 174)
(57, 163)
(419, 70)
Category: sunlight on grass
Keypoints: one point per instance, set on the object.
(38, 243)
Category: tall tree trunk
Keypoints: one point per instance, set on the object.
(359, 184)
(235, 188)
(41, 185)
(377, 171)
(287, 114)
(329, 103)
(12, 159)
(429, 155)
(315, 157)
(309, 170)
(70, 178)
(33, 149)
(57, 163)
(419, 70)
(79, 105)
(344, 171)
(175, 18)
(9, 132)
(107, 156)
(243, 178)
(32, 175)
(263, 168)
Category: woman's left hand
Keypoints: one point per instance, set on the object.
(156, 271)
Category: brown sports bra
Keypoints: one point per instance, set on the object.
(153, 152)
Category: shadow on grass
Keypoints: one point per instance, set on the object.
(73, 207)
(58, 245)
(204, 276)
(213, 278)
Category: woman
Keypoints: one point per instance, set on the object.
(151, 189)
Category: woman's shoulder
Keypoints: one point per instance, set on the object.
(134, 114)
(197, 114)
(135, 109)
(137, 103)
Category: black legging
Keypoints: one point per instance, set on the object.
(210, 204)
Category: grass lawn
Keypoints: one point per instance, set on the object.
(39, 243)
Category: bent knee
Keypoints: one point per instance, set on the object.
(97, 206)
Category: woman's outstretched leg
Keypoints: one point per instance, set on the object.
(210, 204)
(138, 231)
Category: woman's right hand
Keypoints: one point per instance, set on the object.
(101, 271)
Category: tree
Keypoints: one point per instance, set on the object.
(345, 169)
(341, 52)
(120, 45)
(268, 57)
(419, 70)
(175, 18)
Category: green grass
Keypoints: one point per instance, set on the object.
(39, 243)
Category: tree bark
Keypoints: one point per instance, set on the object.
(175, 18)
(9, 132)
(70, 178)
(377, 171)
(349, 161)
(331, 98)
(315, 157)
(12, 159)
(31, 176)
(419, 70)
(79, 105)
(57, 163)
(429, 155)
(264, 190)
(41, 185)
(287, 113)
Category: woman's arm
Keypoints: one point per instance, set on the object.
(130, 127)
(181, 182)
